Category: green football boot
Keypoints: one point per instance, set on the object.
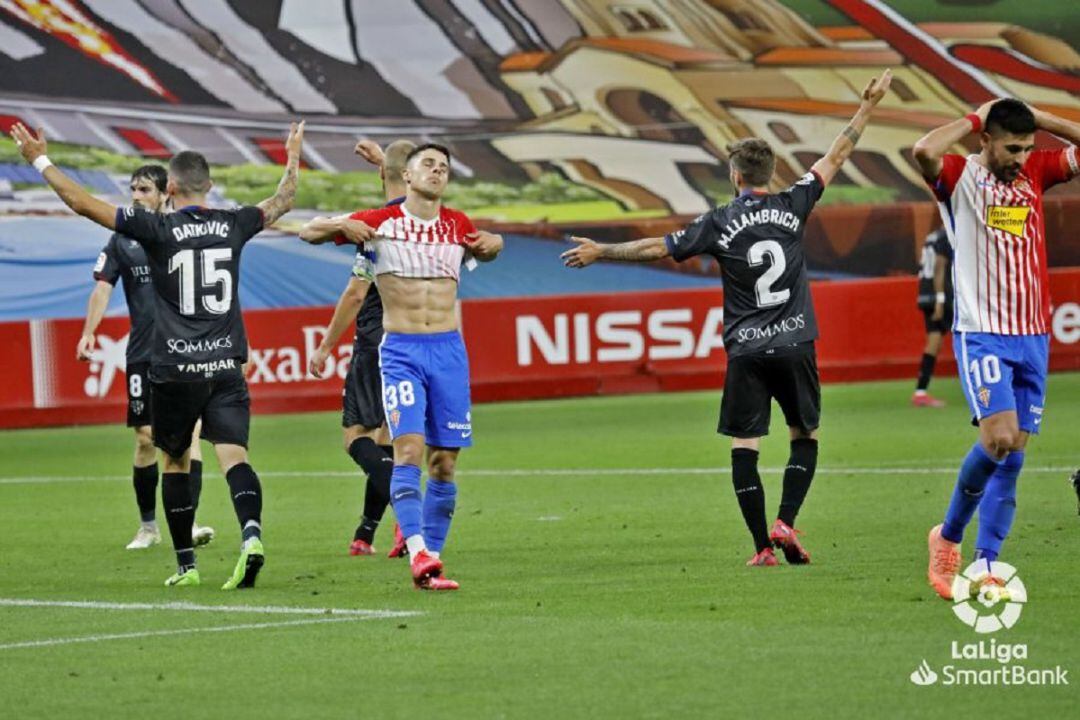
(247, 568)
(188, 579)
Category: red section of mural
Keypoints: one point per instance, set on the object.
(1015, 66)
(918, 47)
(274, 150)
(7, 121)
(519, 348)
(71, 23)
(145, 143)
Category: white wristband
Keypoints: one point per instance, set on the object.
(42, 162)
(940, 298)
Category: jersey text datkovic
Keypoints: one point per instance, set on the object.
(194, 256)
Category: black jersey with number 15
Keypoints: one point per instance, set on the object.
(757, 238)
(194, 256)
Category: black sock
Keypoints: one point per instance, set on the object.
(145, 480)
(179, 514)
(246, 495)
(196, 483)
(926, 371)
(378, 466)
(798, 475)
(750, 494)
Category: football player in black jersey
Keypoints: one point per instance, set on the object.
(123, 259)
(199, 340)
(363, 422)
(935, 300)
(769, 326)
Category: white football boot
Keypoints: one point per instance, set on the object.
(147, 536)
(201, 534)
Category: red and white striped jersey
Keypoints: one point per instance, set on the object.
(998, 235)
(409, 247)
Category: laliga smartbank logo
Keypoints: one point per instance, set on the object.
(988, 597)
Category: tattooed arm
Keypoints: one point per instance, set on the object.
(282, 201)
(587, 251)
(828, 166)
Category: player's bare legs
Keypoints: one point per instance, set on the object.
(370, 449)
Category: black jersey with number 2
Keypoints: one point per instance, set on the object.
(194, 256)
(757, 238)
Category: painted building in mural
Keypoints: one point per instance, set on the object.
(634, 98)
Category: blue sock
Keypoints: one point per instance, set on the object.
(405, 496)
(998, 507)
(975, 472)
(439, 501)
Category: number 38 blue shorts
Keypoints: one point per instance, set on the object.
(1004, 372)
(425, 381)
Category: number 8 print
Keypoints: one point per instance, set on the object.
(135, 385)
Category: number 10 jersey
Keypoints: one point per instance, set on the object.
(194, 256)
(757, 239)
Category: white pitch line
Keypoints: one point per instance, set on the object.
(192, 607)
(184, 631)
(555, 472)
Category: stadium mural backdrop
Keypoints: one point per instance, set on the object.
(601, 117)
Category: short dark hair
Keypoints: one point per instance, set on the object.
(1011, 116)
(754, 159)
(428, 146)
(154, 173)
(191, 172)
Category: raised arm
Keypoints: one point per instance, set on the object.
(281, 201)
(588, 251)
(829, 165)
(95, 310)
(932, 147)
(1064, 129)
(321, 229)
(33, 149)
(352, 297)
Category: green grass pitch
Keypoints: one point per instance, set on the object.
(600, 552)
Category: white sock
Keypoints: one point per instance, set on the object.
(152, 525)
(415, 543)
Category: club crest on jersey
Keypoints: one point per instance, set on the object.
(1011, 219)
(984, 397)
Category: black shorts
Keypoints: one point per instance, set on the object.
(138, 392)
(223, 404)
(753, 381)
(943, 325)
(362, 395)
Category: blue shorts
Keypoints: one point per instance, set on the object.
(1004, 372)
(425, 380)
